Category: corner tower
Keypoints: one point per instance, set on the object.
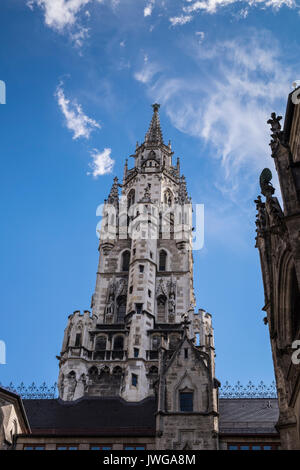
(143, 303)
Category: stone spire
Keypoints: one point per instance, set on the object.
(154, 134)
(113, 197)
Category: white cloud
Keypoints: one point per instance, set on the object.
(243, 13)
(211, 6)
(80, 124)
(180, 20)
(243, 81)
(149, 7)
(79, 36)
(59, 13)
(102, 162)
(147, 72)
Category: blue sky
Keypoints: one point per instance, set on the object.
(80, 78)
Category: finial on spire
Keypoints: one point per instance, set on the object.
(154, 134)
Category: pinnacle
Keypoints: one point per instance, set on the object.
(154, 134)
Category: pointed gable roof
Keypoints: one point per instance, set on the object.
(200, 355)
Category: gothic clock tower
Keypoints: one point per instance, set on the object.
(143, 337)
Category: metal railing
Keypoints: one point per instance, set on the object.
(250, 390)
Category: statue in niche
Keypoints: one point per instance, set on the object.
(72, 382)
(172, 304)
(110, 306)
(121, 287)
(172, 295)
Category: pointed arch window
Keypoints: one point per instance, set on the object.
(161, 309)
(131, 198)
(125, 260)
(121, 309)
(162, 260)
(78, 340)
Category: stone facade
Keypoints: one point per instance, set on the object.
(13, 420)
(143, 337)
(278, 242)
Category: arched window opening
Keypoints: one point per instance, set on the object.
(121, 309)
(162, 260)
(295, 304)
(161, 309)
(118, 352)
(78, 340)
(130, 198)
(100, 343)
(125, 260)
(118, 343)
(117, 371)
(93, 372)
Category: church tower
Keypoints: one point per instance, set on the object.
(143, 337)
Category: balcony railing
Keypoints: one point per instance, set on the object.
(104, 355)
(108, 355)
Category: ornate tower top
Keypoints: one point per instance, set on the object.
(144, 296)
(154, 134)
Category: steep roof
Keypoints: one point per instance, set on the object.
(92, 415)
(248, 415)
(116, 417)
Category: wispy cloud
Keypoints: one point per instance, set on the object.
(180, 20)
(78, 122)
(244, 80)
(147, 72)
(102, 162)
(211, 6)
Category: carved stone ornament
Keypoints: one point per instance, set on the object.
(265, 182)
(161, 289)
(276, 132)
